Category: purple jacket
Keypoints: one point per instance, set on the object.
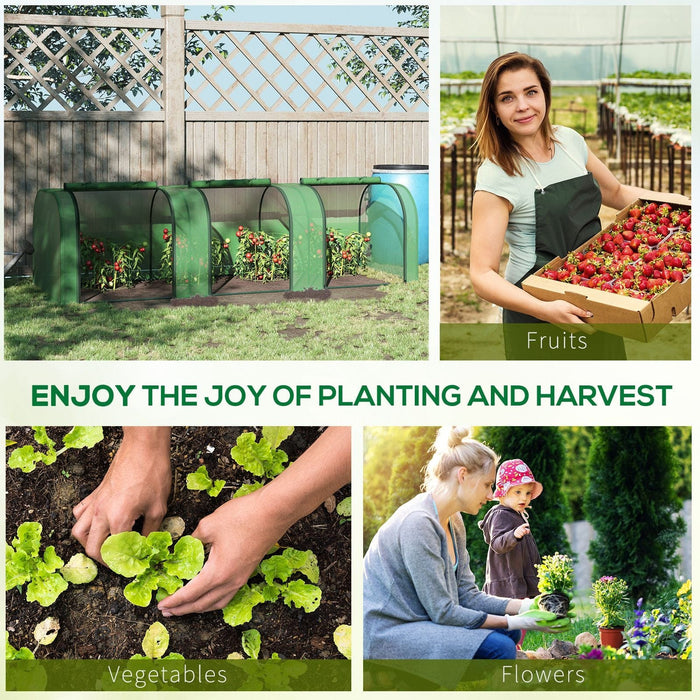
(510, 566)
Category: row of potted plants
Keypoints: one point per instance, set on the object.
(655, 632)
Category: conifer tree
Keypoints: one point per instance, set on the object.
(630, 503)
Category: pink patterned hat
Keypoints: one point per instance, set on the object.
(511, 472)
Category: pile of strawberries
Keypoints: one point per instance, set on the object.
(639, 256)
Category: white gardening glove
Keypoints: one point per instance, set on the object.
(525, 605)
(515, 622)
(537, 620)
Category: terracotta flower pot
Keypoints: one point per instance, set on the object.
(611, 637)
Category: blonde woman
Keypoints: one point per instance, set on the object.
(420, 597)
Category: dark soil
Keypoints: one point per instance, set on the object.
(556, 603)
(236, 291)
(98, 622)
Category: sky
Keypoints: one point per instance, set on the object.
(294, 13)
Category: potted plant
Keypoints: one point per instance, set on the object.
(556, 583)
(610, 599)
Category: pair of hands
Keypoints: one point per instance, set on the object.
(530, 617)
(240, 532)
(137, 484)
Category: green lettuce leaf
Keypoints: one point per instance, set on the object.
(302, 595)
(83, 436)
(126, 553)
(240, 608)
(187, 558)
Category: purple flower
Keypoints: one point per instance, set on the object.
(596, 654)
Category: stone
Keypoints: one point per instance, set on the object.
(586, 638)
(561, 649)
(543, 653)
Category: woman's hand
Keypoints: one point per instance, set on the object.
(562, 313)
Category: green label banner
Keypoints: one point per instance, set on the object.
(543, 341)
(176, 674)
(526, 674)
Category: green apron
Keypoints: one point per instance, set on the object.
(566, 216)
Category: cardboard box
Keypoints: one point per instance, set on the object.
(634, 318)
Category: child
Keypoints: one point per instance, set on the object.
(510, 566)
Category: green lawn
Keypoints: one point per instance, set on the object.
(391, 327)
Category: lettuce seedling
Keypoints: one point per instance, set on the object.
(26, 458)
(151, 562)
(201, 481)
(276, 571)
(344, 508)
(342, 638)
(261, 458)
(250, 639)
(23, 564)
(12, 654)
(155, 644)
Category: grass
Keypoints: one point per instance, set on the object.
(392, 327)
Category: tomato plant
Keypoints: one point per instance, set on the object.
(110, 266)
(347, 255)
(260, 256)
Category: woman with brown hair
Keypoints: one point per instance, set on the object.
(539, 188)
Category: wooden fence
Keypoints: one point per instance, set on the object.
(172, 100)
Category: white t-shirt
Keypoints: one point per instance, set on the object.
(569, 161)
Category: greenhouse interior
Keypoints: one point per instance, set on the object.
(620, 76)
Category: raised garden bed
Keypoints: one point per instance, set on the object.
(101, 237)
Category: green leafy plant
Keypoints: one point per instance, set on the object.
(344, 509)
(276, 571)
(201, 481)
(250, 639)
(155, 644)
(662, 632)
(12, 654)
(221, 263)
(342, 636)
(110, 267)
(260, 256)
(23, 564)
(79, 569)
(151, 562)
(165, 272)
(26, 458)
(262, 458)
(610, 598)
(555, 577)
(347, 255)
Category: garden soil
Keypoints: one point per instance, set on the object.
(236, 291)
(97, 622)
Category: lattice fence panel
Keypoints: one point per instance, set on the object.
(79, 68)
(302, 72)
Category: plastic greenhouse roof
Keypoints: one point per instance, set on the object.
(574, 41)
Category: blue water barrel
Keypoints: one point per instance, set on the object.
(415, 179)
